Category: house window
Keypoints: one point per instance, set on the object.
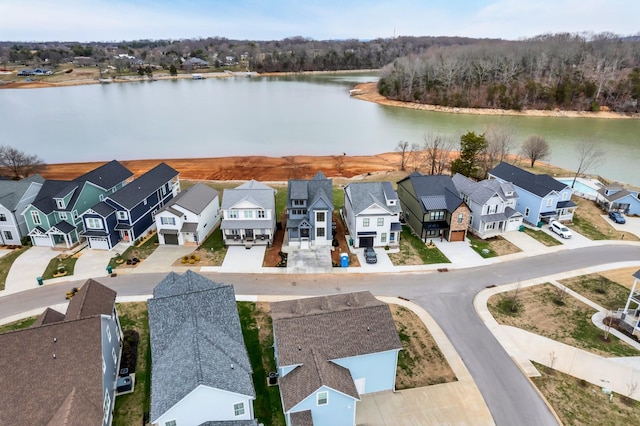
(565, 195)
(114, 355)
(526, 212)
(320, 232)
(104, 366)
(75, 214)
(260, 214)
(122, 215)
(248, 214)
(171, 423)
(109, 334)
(383, 237)
(164, 190)
(7, 235)
(3, 217)
(232, 214)
(460, 217)
(238, 409)
(439, 215)
(365, 221)
(144, 203)
(168, 220)
(320, 217)
(94, 223)
(35, 216)
(380, 221)
(549, 201)
(63, 215)
(432, 233)
(101, 197)
(298, 202)
(323, 398)
(392, 237)
(60, 204)
(107, 405)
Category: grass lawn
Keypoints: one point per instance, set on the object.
(544, 310)
(17, 325)
(6, 262)
(415, 252)
(542, 236)
(599, 289)
(130, 409)
(578, 402)
(59, 266)
(141, 251)
(587, 228)
(588, 221)
(258, 337)
(496, 246)
(480, 245)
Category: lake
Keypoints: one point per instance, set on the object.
(274, 116)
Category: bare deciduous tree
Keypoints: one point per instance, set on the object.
(500, 144)
(403, 148)
(589, 155)
(535, 148)
(436, 150)
(18, 163)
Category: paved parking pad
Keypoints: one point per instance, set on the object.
(383, 263)
(27, 268)
(632, 226)
(241, 259)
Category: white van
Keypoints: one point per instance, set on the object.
(560, 229)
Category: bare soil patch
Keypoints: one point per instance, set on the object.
(420, 362)
(623, 276)
(502, 247)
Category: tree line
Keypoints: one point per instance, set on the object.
(581, 72)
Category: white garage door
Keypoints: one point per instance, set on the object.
(99, 243)
(41, 240)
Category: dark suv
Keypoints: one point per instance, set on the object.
(370, 255)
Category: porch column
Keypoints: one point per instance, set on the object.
(633, 289)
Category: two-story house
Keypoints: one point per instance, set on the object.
(248, 214)
(540, 197)
(127, 214)
(54, 217)
(309, 212)
(372, 214)
(15, 196)
(63, 369)
(200, 371)
(432, 206)
(329, 351)
(189, 217)
(616, 197)
(492, 204)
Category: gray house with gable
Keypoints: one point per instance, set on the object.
(200, 368)
(309, 212)
(14, 198)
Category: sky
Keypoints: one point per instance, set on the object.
(117, 20)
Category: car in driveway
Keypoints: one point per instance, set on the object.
(370, 255)
(617, 217)
(560, 229)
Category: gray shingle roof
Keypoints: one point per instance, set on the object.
(301, 418)
(194, 199)
(482, 191)
(132, 194)
(540, 185)
(253, 192)
(103, 209)
(50, 188)
(363, 195)
(435, 186)
(106, 176)
(196, 339)
(310, 332)
(11, 191)
(319, 187)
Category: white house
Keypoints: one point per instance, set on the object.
(372, 214)
(15, 196)
(492, 204)
(200, 367)
(249, 214)
(189, 217)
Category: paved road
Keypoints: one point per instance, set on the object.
(447, 296)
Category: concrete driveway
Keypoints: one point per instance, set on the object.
(459, 252)
(162, 258)
(241, 259)
(93, 263)
(576, 241)
(525, 242)
(632, 226)
(27, 268)
(382, 265)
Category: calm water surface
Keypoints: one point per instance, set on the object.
(273, 116)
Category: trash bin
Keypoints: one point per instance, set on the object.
(521, 228)
(109, 269)
(40, 282)
(351, 241)
(344, 260)
(540, 224)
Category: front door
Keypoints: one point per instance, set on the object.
(304, 233)
(248, 233)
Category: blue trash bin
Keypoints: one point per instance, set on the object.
(109, 269)
(344, 260)
(40, 282)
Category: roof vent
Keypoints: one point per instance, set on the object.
(368, 329)
(55, 339)
(348, 303)
(232, 367)
(54, 356)
(299, 347)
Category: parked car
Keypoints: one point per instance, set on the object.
(370, 255)
(560, 229)
(617, 217)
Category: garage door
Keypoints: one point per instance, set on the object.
(366, 242)
(99, 243)
(457, 236)
(171, 239)
(41, 240)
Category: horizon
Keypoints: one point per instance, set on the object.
(102, 21)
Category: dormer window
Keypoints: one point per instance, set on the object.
(60, 204)
(122, 215)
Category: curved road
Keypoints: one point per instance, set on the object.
(448, 297)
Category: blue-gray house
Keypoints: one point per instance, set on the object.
(127, 214)
(309, 212)
(617, 198)
(329, 350)
(541, 197)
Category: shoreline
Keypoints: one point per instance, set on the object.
(369, 92)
